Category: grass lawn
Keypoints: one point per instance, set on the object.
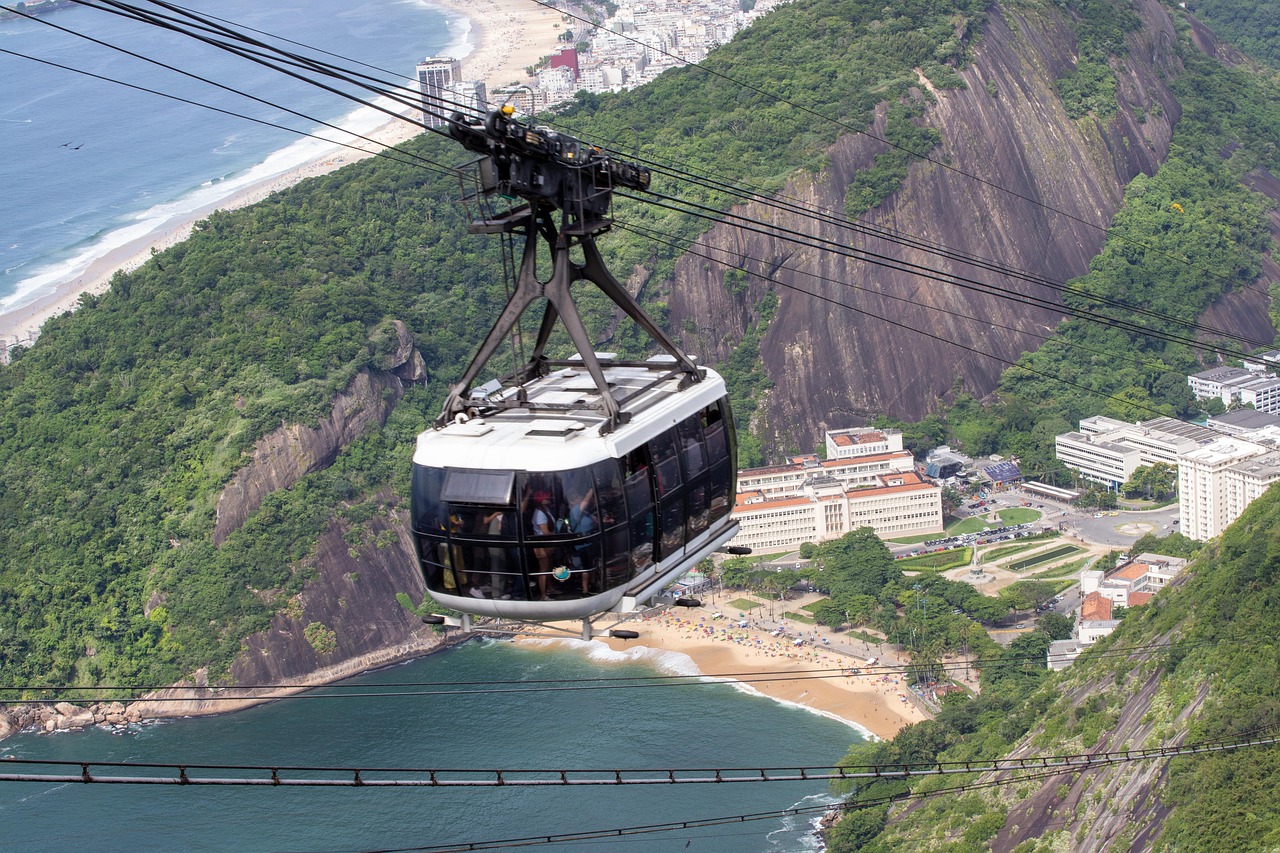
(1066, 570)
(799, 617)
(1019, 515)
(1008, 551)
(744, 604)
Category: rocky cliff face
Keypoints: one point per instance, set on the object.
(1014, 180)
(347, 619)
(349, 612)
(291, 452)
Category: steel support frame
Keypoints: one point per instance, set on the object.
(538, 224)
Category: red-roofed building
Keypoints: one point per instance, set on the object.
(1095, 608)
(1095, 620)
(1138, 599)
(1146, 573)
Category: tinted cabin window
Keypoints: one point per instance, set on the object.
(638, 487)
(617, 564)
(665, 449)
(428, 512)
(693, 453)
(666, 462)
(692, 446)
(721, 473)
(477, 487)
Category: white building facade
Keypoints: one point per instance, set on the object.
(782, 507)
(1108, 451)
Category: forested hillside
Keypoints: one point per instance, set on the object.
(1198, 665)
(121, 427)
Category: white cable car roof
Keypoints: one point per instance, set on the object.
(538, 438)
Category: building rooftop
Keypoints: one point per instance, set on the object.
(1132, 572)
(1222, 374)
(1243, 419)
(1137, 599)
(1266, 466)
(1095, 608)
(844, 439)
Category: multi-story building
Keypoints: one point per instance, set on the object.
(1216, 482)
(444, 92)
(436, 76)
(898, 505)
(1239, 386)
(1108, 451)
(1241, 422)
(811, 500)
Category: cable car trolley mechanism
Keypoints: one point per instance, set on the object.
(574, 488)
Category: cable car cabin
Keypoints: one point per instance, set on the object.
(530, 513)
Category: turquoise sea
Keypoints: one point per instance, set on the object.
(696, 725)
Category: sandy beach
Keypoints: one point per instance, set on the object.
(874, 700)
(508, 36)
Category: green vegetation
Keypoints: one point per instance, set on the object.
(911, 143)
(124, 422)
(1018, 515)
(1252, 26)
(1003, 551)
(744, 604)
(799, 617)
(939, 561)
(1223, 622)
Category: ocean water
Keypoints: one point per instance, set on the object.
(89, 165)
(705, 726)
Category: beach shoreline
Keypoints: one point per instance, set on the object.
(815, 674)
(506, 36)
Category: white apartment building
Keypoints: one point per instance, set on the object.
(1247, 480)
(1238, 386)
(1241, 422)
(1216, 482)
(898, 504)
(1098, 460)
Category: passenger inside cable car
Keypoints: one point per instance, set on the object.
(555, 535)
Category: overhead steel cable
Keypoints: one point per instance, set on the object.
(143, 16)
(416, 161)
(1009, 363)
(864, 132)
(267, 54)
(1056, 307)
(693, 250)
(344, 74)
(911, 242)
(878, 259)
